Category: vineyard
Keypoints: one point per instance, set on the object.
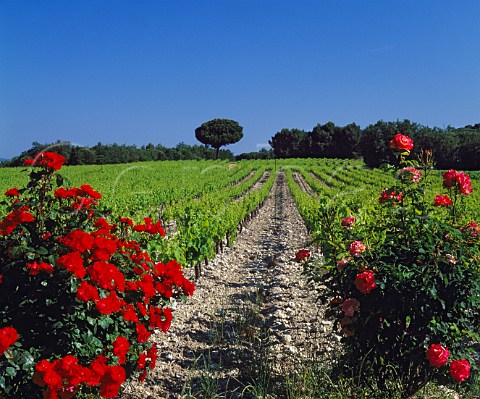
(238, 230)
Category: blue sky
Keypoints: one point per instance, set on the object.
(143, 71)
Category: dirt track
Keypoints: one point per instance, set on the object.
(252, 314)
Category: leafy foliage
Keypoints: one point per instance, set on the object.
(403, 277)
(455, 148)
(102, 154)
(219, 132)
(79, 291)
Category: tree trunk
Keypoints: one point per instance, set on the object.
(216, 155)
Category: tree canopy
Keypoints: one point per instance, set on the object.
(219, 132)
(457, 148)
(101, 154)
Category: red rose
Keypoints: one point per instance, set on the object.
(73, 262)
(142, 361)
(110, 304)
(87, 292)
(160, 318)
(142, 333)
(103, 248)
(153, 355)
(35, 268)
(13, 192)
(401, 142)
(129, 314)
(303, 254)
(8, 336)
(390, 195)
(348, 222)
(149, 227)
(120, 349)
(70, 193)
(365, 282)
(106, 276)
(142, 308)
(15, 218)
(449, 178)
(437, 355)
(49, 160)
(460, 370)
(188, 287)
(442, 200)
(127, 221)
(464, 183)
(147, 286)
(461, 180)
(78, 240)
(88, 190)
(111, 380)
(98, 368)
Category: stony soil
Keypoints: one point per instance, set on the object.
(252, 315)
(298, 178)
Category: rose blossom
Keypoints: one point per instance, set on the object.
(464, 183)
(442, 200)
(472, 228)
(341, 264)
(303, 254)
(8, 336)
(13, 192)
(121, 347)
(348, 222)
(401, 142)
(365, 282)
(460, 370)
(410, 173)
(356, 248)
(437, 355)
(48, 160)
(453, 178)
(389, 194)
(350, 306)
(35, 268)
(449, 178)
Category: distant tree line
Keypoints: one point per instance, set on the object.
(457, 148)
(101, 154)
(262, 154)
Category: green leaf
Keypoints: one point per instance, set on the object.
(42, 251)
(433, 292)
(105, 322)
(10, 371)
(27, 360)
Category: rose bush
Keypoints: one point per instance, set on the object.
(79, 296)
(405, 279)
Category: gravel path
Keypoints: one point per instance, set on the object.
(252, 315)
